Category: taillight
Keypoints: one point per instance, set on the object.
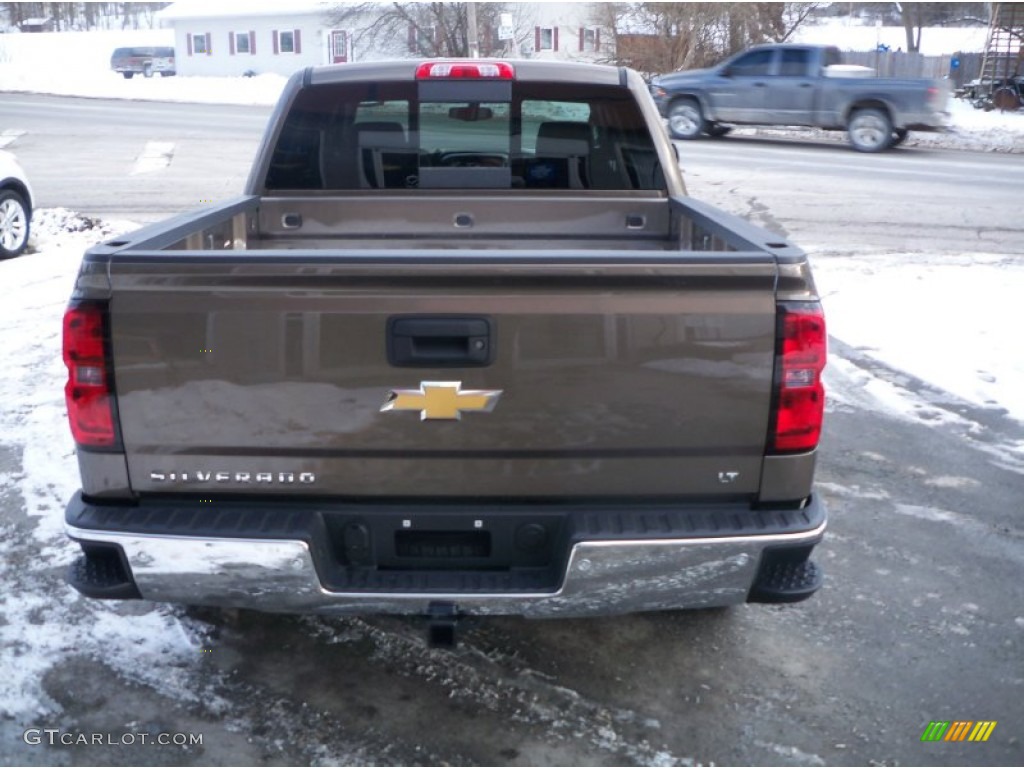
(475, 70)
(89, 391)
(799, 401)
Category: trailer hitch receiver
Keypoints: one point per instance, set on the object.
(441, 630)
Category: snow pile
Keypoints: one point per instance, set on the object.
(957, 326)
(976, 130)
(968, 129)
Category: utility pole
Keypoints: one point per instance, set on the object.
(474, 44)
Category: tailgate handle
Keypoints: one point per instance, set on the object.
(439, 342)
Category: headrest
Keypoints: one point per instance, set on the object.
(380, 134)
(563, 138)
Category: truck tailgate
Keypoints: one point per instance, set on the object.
(600, 374)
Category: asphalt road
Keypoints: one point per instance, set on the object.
(921, 618)
(81, 153)
(908, 200)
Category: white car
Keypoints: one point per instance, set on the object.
(15, 207)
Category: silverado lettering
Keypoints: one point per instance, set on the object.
(307, 478)
(484, 229)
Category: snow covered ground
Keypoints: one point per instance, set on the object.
(852, 35)
(33, 292)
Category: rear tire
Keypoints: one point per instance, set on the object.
(15, 224)
(128, 75)
(717, 130)
(870, 130)
(899, 135)
(686, 120)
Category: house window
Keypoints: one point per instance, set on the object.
(242, 42)
(339, 46)
(546, 39)
(199, 43)
(590, 39)
(287, 41)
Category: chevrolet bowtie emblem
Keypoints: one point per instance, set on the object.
(441, 400)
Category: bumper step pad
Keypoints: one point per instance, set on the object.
(786, 582)
(102, 575)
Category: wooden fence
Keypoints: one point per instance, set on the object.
(901, 64)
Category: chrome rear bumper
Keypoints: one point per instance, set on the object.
(601, 577)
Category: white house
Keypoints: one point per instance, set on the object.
(214, 37)
(230, 38)
(568, 31)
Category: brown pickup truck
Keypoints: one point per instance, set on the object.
(464, 346)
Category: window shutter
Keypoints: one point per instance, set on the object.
(252, 43)
(277, 49)
(556, 39)
(209, 44)
(188, 42)
(581, 38)
(298, 41)
(536, 38)
(231, 43)
(412, 39)
(597, 40)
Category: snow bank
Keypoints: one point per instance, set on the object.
(78, 64)
(958, 325)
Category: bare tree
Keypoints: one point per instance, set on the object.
(913, 17)
(424, 29)
(84, 15)
(794, 15)
(916, 16)
(663, 37)
(18, 12)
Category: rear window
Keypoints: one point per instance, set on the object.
(399, 136)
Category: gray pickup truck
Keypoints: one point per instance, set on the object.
(464, 346)
(799, 85)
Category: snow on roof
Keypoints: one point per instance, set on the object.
(212, 9)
